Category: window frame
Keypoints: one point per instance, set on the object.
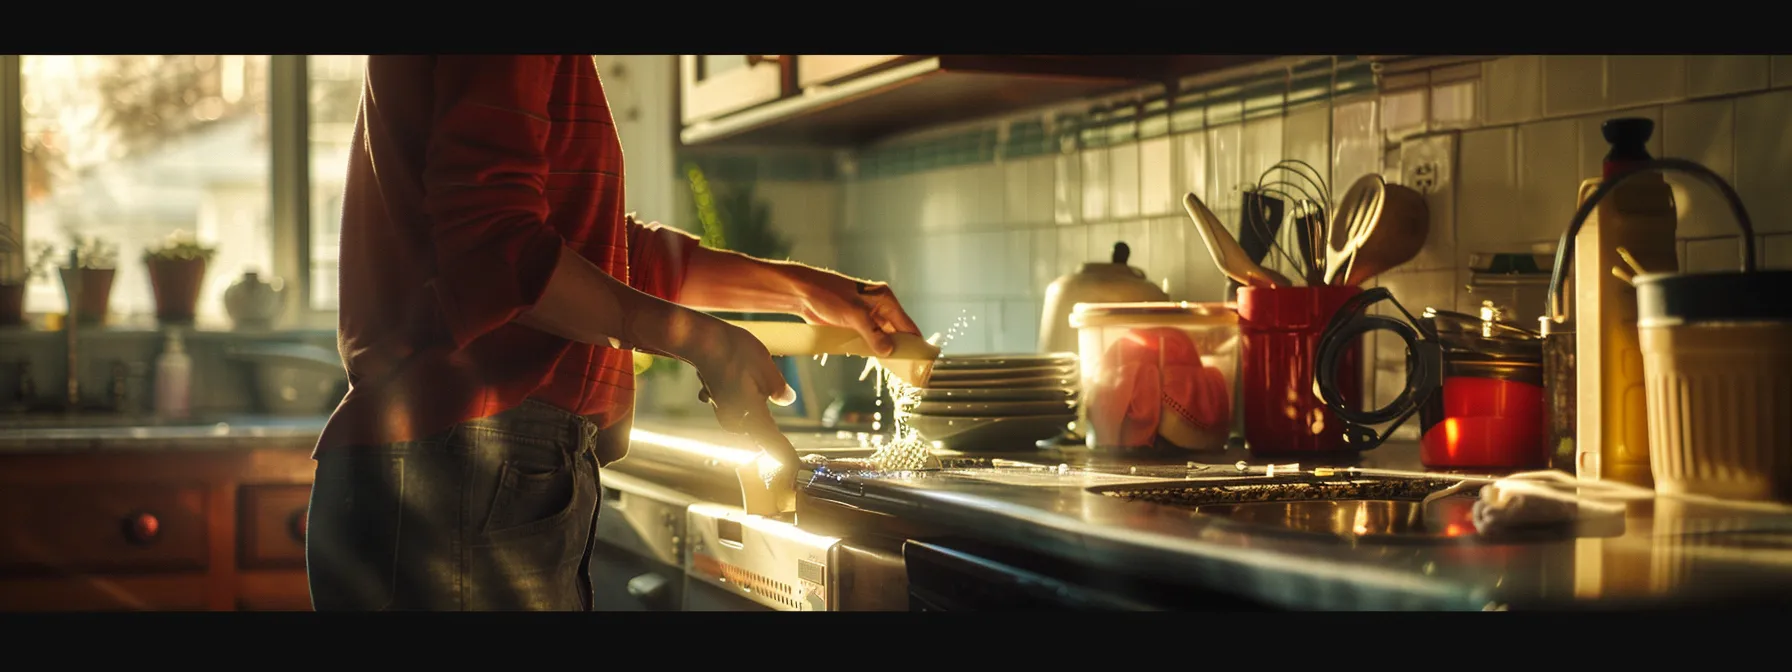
(289, 175)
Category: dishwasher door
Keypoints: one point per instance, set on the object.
(637, 563)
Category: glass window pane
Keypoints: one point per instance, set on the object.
(133, 148)
(335, 99)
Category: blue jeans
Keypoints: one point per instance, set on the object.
(494, 514)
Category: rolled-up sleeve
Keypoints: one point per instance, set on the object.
(484, 179)
(658, 257)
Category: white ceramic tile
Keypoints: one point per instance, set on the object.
(1356, 138)
(1123, 180)
(1714, 254)
(1782, 71)
(1486, 187)
(1015, 191)
(1718, 75)
(989, 202)
(1548, 178)
(1403, 112)
(1102, 237)
(1428, 164)
(1073, 248)
(1514, 89)
(1046, 263)
(1225, 166)
(1096, 201)
(1017, 264)
(1593, 146)
(1573, 84)
(1192, 173)
(1764, 159)
(1020, 326)
(1306, 137)
(1454, 105)
(1639, 80)
(1703, 132)
(1067, 188)
(1170, 255)
(1041, 175)
(1776, 252)
(984, 261)
(1261, 144)
(1157, 177)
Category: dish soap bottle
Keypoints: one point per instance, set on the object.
(1612, 437)
(174, 378)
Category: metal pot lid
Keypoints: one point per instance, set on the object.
(1153, 312)
(1666, 299)
(1464, 333)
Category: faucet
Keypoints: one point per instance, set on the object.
(71, 286)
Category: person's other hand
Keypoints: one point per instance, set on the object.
(739, 377)
(869, 308)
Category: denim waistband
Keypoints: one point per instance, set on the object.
(536, 418)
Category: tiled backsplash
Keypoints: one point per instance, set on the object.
(979, 220)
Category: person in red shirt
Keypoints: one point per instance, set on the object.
(492, 288)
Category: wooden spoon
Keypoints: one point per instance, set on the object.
(1227, 253)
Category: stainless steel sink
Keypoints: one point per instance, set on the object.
(1380, 510)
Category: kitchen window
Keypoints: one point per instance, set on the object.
(248, 152)
(133, 148)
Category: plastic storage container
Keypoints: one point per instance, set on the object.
(1157, 375)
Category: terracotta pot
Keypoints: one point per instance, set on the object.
(12, 304)
(95, 297)
(176, 283)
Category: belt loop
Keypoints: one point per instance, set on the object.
(588, 445)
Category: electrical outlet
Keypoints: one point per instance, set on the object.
(1426, 163)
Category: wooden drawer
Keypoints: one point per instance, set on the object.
(273, 590)
(271, 526)
(102, 527)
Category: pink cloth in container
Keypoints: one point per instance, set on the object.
(1147, 371)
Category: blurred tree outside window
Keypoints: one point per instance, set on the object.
(133, 148)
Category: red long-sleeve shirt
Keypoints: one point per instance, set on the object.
(466, 176)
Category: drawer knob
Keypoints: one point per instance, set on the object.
(142, 528)
(297, 523)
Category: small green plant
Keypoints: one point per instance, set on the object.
(20, 263)
(180, 246)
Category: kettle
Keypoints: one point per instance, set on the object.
(1113, 282)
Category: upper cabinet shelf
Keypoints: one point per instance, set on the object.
(853, 100)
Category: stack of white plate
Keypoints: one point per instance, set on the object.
(996, 402)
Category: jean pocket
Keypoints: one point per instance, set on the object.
(531, 499)
(353, 532)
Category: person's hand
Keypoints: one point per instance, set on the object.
(739, 377)
(869, 308)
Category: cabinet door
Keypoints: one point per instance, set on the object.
(812, 70)
(713, 85)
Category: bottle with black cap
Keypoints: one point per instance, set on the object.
(1612, 435)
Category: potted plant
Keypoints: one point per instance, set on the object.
(87, 275)
(17, 269)
(176, 274)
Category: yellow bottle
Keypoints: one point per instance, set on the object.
(1612, 437)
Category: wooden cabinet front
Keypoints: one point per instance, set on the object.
(203, 529)
(815, 70)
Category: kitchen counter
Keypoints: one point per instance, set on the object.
(1666, 554)
(55, 434)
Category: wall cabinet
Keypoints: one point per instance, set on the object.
(711, 86)
(154, 530)
(852, 100)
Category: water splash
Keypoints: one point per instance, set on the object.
(905, 450)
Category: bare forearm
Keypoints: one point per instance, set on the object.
(730, 281)
(583, 303)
